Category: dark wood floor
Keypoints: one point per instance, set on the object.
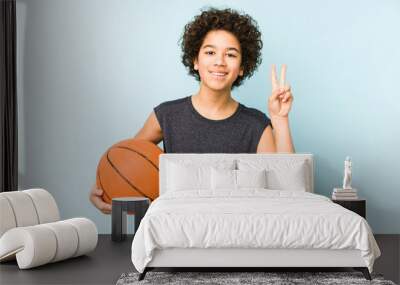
(110, 260)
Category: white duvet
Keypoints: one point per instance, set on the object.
(252, 218)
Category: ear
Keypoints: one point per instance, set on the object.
(241, 71)
(195, 64)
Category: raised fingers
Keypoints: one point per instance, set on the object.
(274, 79)
(281, 83)
(282, 78)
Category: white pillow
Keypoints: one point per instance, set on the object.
(223, 179)
(281, 174)
(294, 178)
(185, 174)
(251, 178)
(228, 179)
(181, 177)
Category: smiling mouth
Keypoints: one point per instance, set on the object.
(219, 74)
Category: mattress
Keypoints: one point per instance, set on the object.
(250, 219)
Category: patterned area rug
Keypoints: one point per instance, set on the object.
(270, 278)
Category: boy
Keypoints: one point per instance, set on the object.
(220, 48)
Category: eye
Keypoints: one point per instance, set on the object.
(232, 55)
(209, 52)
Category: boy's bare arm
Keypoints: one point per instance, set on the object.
(283, 138)
(267, 142)
(151, 130)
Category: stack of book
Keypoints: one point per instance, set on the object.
(344, 194)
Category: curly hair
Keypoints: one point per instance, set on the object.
(242, 26)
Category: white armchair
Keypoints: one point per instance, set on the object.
(32, 233)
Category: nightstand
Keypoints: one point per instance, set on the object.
(358, 206)
(120, 207)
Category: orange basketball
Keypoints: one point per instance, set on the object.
(129, 168)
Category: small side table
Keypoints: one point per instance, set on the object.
(120, 206)
(357, 206)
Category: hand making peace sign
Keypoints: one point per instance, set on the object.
(281, 99)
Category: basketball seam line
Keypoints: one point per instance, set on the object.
(123, 177)
(142, 155)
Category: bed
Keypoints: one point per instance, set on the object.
(247, 210)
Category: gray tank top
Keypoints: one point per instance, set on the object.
(186, 131)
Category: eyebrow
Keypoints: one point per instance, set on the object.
(229, 48)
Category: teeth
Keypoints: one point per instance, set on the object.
(219, 74)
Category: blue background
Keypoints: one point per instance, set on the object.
(90, 72)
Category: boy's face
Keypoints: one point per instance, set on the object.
(219, 60)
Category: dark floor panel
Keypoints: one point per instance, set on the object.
(110, 260)
(389, 262)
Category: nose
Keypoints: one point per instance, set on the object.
(220, 60)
